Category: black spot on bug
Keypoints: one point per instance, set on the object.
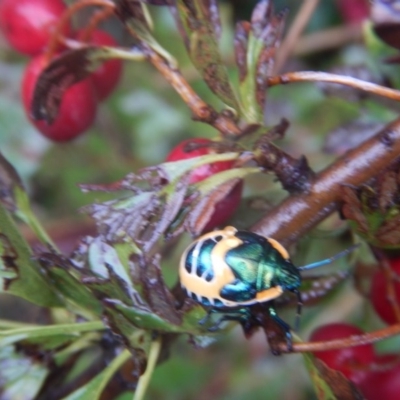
(209, 277)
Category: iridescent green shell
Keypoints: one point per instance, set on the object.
(231, 268)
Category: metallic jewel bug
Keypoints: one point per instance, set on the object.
(229, 270)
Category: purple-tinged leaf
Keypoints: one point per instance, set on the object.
(21, 275)
(212, 191)
(262, 13)
(67, 69)
(241, 42)
(256, 44)
(9, 182)
(21, 373)
(63, 276)
(328, 383)
(196, 20)
(385, 16)
(137, 20)
(204, 208)
(131, 9)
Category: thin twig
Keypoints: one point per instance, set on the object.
(66, 17)
(151, 363)
(94, 22)
(352, 341)
(297, 27)
(299, 213)
(312, 76)
(328, 39)
(200, 109)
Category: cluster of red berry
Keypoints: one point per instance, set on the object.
(28, 26)
(31, 36)
(375, 375)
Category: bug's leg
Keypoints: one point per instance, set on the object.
(285, 327)
(241, 315)
(299, 308)
(207, 317)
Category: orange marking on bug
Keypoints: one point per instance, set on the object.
(277, 246)
(269, 294)
(223, 274)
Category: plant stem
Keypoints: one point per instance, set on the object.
(8, 324)
(327, 39)
(151, 363)
(200, 109)
(14, 335)
(300, 212)
(355, 340)
(94, 22)
(66, 17)
(312, 76)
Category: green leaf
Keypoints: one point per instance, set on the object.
(255, 49)
(144, 319)
(201, 42)
(16, 257)
(328, 383)
(95, 387)
(16, 201)
(21, 376)
(137, 19)
(62, 275)
(11, 336)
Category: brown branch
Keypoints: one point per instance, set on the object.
(312, 76)
(328, 39)
(202, 111)
(299, 213)
(352, 341)
(294, 174)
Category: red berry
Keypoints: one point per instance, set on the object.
(353, 11)
(107, 76)
(28, 24)
(77, 110)
(379, 293)
(351, 361)
(384, 383)
(226, 207)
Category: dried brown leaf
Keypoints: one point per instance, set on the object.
(204, 207)
(387, 189)
(241, 41)
(352, 208)
(389, 231)
(199, 25)
(342, 388)
(70, 67)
